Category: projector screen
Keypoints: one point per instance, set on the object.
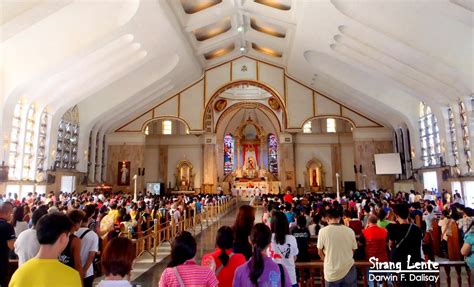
(388, 163)
(154, 188)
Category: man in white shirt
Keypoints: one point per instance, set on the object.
(336, 245)
(27, 245)
(89, 247)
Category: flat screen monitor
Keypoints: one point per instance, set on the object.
(388, 163)
(154, 187)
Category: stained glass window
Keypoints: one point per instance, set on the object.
(429, 136)
(228, 154)
(273, 154)
(68, 137)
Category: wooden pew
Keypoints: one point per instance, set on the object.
(454, 246)
(436, 238)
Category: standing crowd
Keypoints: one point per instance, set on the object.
(57, 241)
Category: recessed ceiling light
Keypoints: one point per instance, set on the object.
(240, 29)
(242, 49)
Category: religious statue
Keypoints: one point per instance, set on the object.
(314, 178)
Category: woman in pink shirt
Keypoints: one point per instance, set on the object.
(182, 270)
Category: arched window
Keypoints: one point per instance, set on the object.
(68, 137)
(41, 148)
(330, 125)
(429, 136)
(465, 135)
(307, 128)
(14, 156)
(273, 154)
(167, 127)
(27, 171)
(228, 154)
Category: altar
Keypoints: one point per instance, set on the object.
(251, 160)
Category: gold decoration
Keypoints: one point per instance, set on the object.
(220, 105)
(273, 103)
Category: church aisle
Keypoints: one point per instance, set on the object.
(205, 243)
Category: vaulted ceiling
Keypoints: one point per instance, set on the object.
(115, 58)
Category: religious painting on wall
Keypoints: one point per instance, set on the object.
(220, 105)
(273, 103)
(123, 175)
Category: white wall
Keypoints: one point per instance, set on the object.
(347, 157)
(192, 153)
(305, 153)
(309, 146)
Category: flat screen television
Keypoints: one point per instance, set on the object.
(155, 187)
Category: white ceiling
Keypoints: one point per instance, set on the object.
(115, 58)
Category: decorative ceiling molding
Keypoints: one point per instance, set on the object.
(216, 81)
(284, 5)
(194, 6)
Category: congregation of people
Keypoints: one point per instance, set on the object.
(57, 239)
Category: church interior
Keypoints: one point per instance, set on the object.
(237, 97)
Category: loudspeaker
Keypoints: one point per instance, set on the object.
(84, 180)
(51, 179)
(355, 168)
(349, 185)
(446, 174)
(143, 172)
(139, 171)
(360, 168)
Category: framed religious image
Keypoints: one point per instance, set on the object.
(123, 175)
(220, 105)
(273, 103)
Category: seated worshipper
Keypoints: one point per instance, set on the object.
(223, 261)
(45, 270)
(117, 260)
(27, 245)
(261, 270)
(183, 270)
(336, 245)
